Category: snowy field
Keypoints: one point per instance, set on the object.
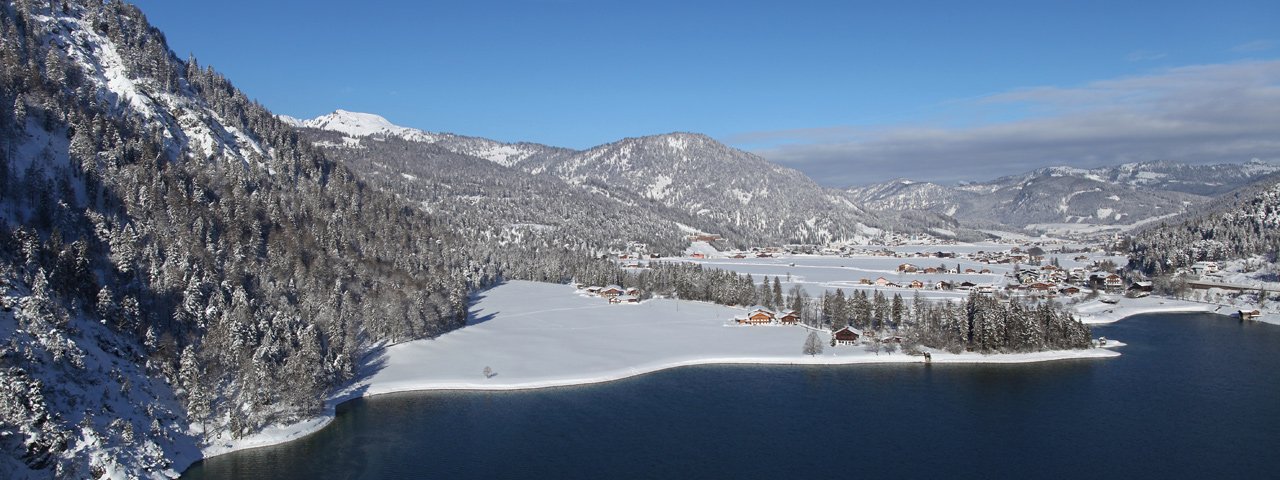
(816, 273)
(535, 335)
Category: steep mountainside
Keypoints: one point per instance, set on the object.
(177, 267)
(1121, 195)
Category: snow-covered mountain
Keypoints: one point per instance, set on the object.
(724, 189)
(705, 178)
(1120, 195)
(356, 125)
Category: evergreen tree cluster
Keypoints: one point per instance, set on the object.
(982, 323)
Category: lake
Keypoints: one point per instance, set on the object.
(1193, 396)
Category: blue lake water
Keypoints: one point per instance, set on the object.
(1193, 396)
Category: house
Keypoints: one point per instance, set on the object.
(594, 290)
(1070, 290)
(1142, 285)
(931, 270)
(908, 268)
(865, 281)
(943, 285)
(880, 282)
(845, 336)
(698, 255)
(1249, 314)
(985, 270)
(633, 291)
(789, 317)
(1113, 282)
(965, 285)
(624, 299)
(970, 270)
(758, 316)
(916, 284)
(1041, 286)
(612, 291)
(1205, 268)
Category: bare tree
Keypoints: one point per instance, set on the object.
(812, 346)
(488, 372)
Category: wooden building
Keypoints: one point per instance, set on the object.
(845, 336)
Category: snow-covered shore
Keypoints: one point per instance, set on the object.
(538, 335)
(1096, 312)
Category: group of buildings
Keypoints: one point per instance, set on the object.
(613, 293)
(764, 316)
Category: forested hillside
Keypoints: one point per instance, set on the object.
(1238, 225)
(164, 237)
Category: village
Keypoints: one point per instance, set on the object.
(1044, 269)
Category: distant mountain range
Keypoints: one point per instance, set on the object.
(1127, 194)
(714, 187)
(687, 178)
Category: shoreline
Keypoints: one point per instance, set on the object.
(370, 384)
(280, 434)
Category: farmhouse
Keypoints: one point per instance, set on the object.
(757, 316)
(881, 282)
(611, 291)
(908, 268)
(916, 284)
(789, 317)
(845, 336)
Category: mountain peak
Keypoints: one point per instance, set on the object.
(359, 124)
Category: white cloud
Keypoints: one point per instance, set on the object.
(1194, 114)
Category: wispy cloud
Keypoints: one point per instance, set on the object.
(1254, 46)
(1195, 114)
(1144, 56)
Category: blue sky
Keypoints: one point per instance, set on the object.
(774, 77)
